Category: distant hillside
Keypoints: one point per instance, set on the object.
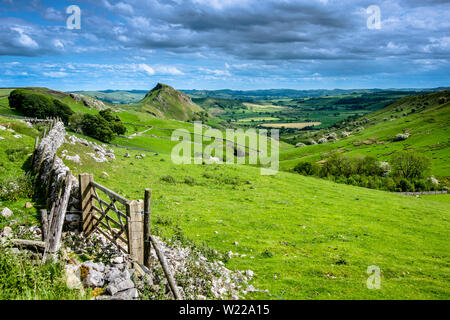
(134, 96)
(77, 102)
(163, 101)
(116, 96)
(287, 93)
(425, 118)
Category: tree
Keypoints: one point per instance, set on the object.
(410, 165)
(97, 127)
(114, 121)
(38, 105)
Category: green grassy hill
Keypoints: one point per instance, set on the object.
(425, 117)
(165, 102)
(116, 96)
(304, 238)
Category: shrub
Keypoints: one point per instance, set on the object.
(389, 184)
(189, 180)
(102, 126)
(267, 254)
(421, 185)
(405, 185)
(97, 127)
(15, 187)
(21, 278)
(38, 105)
(168, 179)
(307, 168)
(337, 165)
(114, 120)
(368, 165)
(15, 154)
(76, 121)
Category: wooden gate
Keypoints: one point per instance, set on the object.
(118, 219)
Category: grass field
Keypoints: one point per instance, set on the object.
(295, 125)
(428, 126)
(305, 238)
(258, 119)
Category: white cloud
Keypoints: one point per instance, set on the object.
(55, 74)
(160, 69)
(170, 70)
(25, 40)
(215, 72)
(147, 68)
(58, 44)
(120, 7)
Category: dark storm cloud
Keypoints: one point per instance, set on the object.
(249, 29)
(246, 39)
(293, 30)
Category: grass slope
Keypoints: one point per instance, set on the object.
(165, 102)
(428, 126)
(316, 237)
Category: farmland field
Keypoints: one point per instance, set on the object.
(294, 125)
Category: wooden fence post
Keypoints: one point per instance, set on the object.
(44, 224)
(42, 158)
(87, 200)
(53, 243)
(135, 230)
(36, 144)
(147, 227)
(49, 180)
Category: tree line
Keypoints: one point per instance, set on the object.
(405, 172)
(102, 126)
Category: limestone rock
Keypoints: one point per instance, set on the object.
(117, 260)
(251, 288)
(94, 279)
(401, 137)
(7, 232)
(75, 158)
(118, 285)
(6, 213)
(72, 275)
(129, 294)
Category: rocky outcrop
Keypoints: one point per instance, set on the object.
(401, 137)
(89, 102)
(100, 153)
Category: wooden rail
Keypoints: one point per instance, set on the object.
(120, 220)
(130, 231)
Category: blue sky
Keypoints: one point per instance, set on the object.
(217, 44)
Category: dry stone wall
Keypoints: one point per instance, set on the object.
(52, 173)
